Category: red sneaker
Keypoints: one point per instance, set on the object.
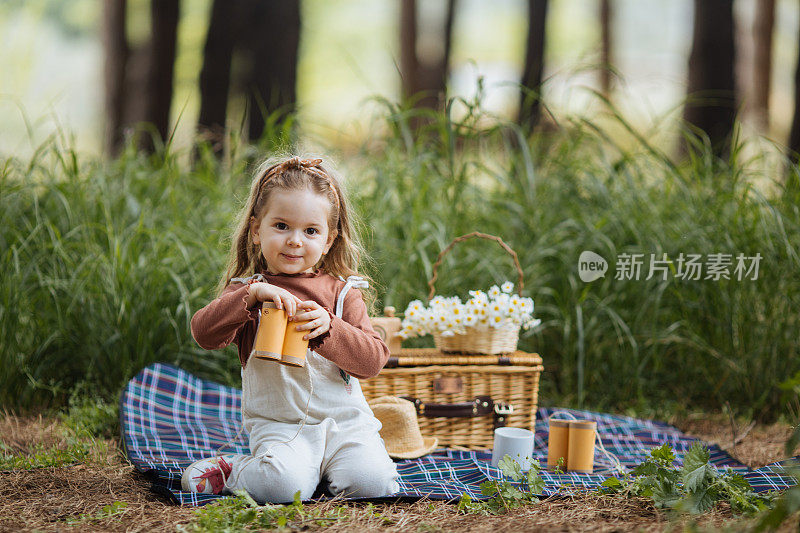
(206, 476)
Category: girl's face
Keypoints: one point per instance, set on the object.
(293, 233)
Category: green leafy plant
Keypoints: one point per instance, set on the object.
(506, 495)
(696, 487)
(243, 513)
(108, 511)
(41, 456)
(791, 395)
(374, 513)
(788, 503)
(93, 417)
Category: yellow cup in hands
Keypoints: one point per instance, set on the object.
(277, 339)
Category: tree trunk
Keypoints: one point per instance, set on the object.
(763, 25)
(442, 67)
(115, 45)
(408, 48)
(424, 78)
(215, 75)
(794, 134)
(161, 65)
(531, 84)
(711, 99)
(273, 42)
(449, 20)
(605, 47)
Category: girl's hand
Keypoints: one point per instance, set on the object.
(320, 320)
(264, 292)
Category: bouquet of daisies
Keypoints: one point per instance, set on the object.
(496, 308)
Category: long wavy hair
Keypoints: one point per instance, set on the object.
(291, 174)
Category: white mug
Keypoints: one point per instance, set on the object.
(514, 442)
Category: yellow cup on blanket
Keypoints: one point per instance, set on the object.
(558, 444)
(580, 455)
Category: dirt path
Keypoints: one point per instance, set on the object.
(104, 493)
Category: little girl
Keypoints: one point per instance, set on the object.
(312, 423)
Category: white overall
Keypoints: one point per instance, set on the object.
(339, 440)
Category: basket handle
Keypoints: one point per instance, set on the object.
(480, 406)
(506, 247)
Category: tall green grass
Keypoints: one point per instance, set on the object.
(103, 263)
(641, 344)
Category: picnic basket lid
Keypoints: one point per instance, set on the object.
(409, 357)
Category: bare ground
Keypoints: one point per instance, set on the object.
(72, 498)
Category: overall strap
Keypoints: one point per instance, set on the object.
(352, 281)
(250, 279)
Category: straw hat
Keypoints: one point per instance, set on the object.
(400, 431)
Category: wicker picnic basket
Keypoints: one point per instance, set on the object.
(487, 341)
(462, 399)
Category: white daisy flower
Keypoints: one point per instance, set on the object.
(532, 323)
(507, 287)
(478, 295)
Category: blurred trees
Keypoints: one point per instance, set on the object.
(711, 93)
(794, 133)
(531, 83)
(271, 43)
(763, 25)
(116, 57)
(215, 76)
(423, 76)
(160, 67)
(252, 49)
(263, 39)
(138, 80)
(606, 17)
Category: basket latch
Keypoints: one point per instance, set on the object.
(501, 412)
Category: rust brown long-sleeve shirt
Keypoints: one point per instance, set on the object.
(351, 343)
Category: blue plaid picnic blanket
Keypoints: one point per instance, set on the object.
(170, 418)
